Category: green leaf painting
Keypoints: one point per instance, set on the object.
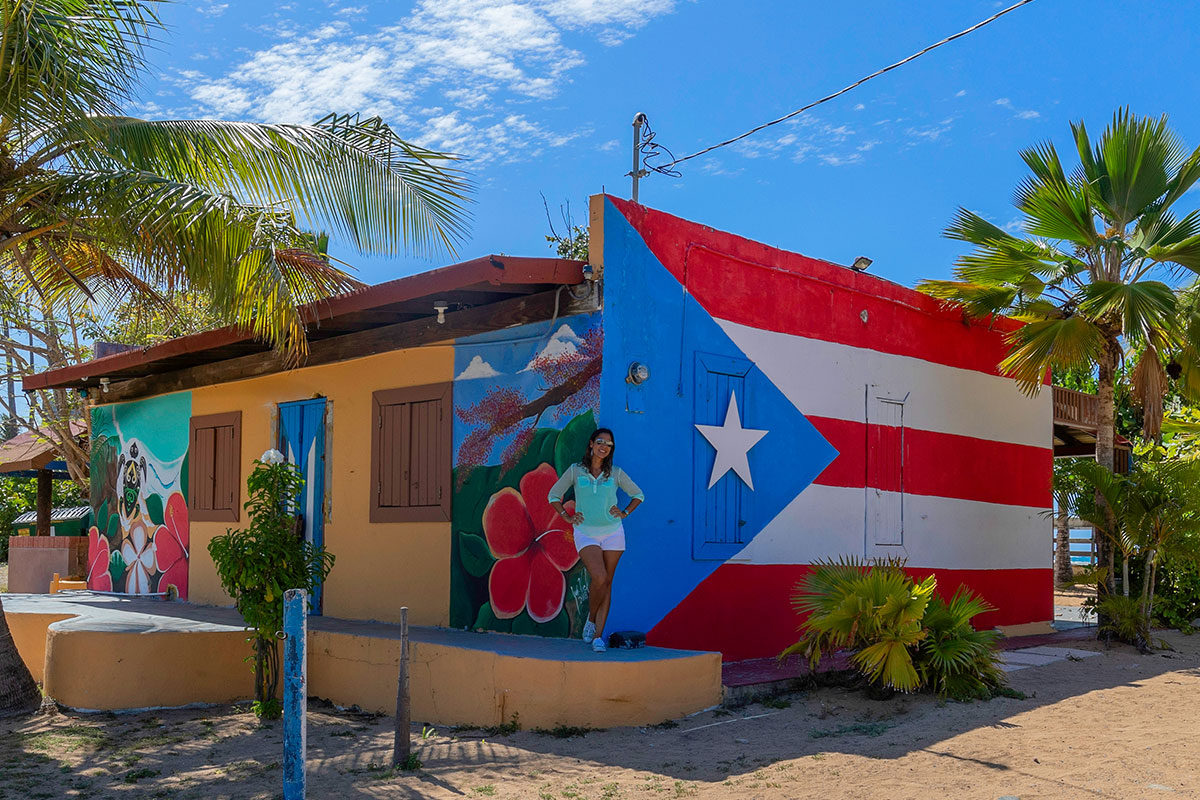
(571, 441)
(154, 508)
(476, 557)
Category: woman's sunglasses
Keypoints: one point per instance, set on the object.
(602, 443)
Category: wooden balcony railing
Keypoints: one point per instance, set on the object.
(1076, 409)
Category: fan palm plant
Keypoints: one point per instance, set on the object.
(873, 610)
(1099, 270)
(95, 205)
(954, 659)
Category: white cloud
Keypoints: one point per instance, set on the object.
(859, 107)
(961, 93)
(1006, 103)
(478, 368)
(452, 69)
(210, 9)
(564, 342)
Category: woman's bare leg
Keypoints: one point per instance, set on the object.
(594, 561)
(611, 557)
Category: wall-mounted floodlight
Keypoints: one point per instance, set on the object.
(441, 306)
(860, 264)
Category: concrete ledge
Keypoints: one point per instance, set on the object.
(106, 653)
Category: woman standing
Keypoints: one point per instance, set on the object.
(599, 532)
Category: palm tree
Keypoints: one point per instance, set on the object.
(1098, 272)
(95, 205)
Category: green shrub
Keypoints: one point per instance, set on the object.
(1177, 596)
(258, 564)
(900, 634)
(955, 660)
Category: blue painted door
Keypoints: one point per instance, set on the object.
(302, 442)
(719, 513)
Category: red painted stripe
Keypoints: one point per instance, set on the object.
(744, 610)
(752, 284)
(939, 464)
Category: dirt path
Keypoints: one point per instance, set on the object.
(1116, 726)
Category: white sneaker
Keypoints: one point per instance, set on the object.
(598, 645)
(589, 632)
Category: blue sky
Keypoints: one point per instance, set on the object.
(539, 94)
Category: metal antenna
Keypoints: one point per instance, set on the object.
(637, 173)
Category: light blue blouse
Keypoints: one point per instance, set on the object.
(595, 496)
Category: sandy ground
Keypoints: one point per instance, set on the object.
(1119, 726)
(3, 577)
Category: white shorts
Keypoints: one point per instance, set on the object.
(608, 541)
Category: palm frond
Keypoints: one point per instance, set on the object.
(354, 177)
(1036, 347)
(66, 59)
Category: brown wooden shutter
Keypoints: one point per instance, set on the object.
(214, 472)
(410, 454)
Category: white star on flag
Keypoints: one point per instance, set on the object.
(732, 443)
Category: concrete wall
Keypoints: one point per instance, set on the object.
(32, 561)
(380, 566)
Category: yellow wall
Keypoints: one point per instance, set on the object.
(380, 566)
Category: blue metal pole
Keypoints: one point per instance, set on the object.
(295, 692)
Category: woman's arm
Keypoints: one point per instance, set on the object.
(636, 496)
(558, 490)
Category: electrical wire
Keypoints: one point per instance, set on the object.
(666, 168)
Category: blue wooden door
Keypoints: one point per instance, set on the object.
(719, 513)
(302, 442)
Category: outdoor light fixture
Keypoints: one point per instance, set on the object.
(440, 306)
(638, 373)
(104, 385)
(860, 264)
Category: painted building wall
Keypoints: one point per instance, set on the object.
(878, 426)
(380, 566)
(139, 542)
(525, 404)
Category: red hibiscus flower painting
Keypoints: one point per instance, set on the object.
(171, 547)
(534, 547)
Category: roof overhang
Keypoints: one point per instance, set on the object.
(483, 294)
(32, 451)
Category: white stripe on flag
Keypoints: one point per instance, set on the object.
(828, 521)
(826, 379)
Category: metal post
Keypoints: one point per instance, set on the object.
(639, 120)
(295, 692)
(403, 745)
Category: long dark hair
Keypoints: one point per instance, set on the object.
(606, 464)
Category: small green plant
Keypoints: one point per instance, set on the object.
(872, 610)
(411, 763)
(505, 728)
(566, 731)
(776, 702)
(487, 790)
(857, 729)
(900, 634)
(256, 565)
(954, 659)
(138, 774)
(270, 708)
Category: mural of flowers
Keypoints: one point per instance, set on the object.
(171, 547)
(533, 546)
(137, 551)
(139, 544)
(523, 411)
(98, 577)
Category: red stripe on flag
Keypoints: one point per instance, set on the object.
(938, 464)
(745, 611)
(749, 283)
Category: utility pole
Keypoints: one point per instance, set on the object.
(637, 173)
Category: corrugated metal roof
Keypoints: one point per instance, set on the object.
(56, 515)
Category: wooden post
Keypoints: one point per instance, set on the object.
(403, 745)
(295, 692)
(45, 495)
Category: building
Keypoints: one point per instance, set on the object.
(776, 410)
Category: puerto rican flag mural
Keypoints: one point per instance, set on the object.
(797, 410)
